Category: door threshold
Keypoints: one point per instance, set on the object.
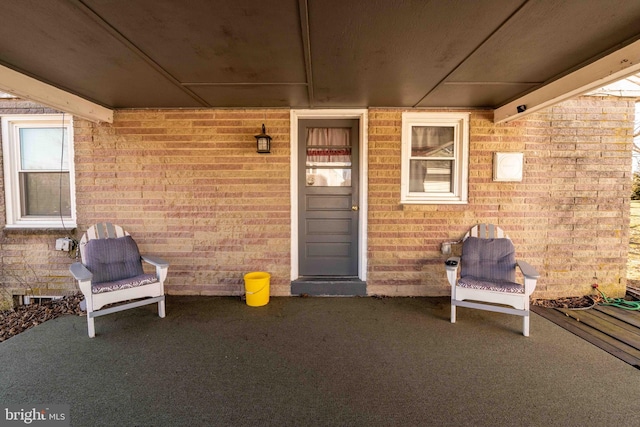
(328, 286)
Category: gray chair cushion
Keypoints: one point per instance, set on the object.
(488, 259)
(111, 260)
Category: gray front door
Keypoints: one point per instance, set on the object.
(328, 197)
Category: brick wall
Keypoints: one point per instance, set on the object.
(568, 217)
(190, 187)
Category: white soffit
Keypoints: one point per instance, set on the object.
(613, 67)
(29, 88)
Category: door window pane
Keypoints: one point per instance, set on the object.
(336, 177)
(328, 157)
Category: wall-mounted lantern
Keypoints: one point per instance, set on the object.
(263, 142)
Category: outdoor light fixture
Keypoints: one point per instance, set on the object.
(263, 142)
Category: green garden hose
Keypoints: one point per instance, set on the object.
(617, 302)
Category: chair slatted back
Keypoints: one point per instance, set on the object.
(101, 230)
(486, 231)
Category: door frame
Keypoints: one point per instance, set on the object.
(363, 144)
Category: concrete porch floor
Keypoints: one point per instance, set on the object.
(317, 361)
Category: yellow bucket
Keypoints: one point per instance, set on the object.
(256, 286)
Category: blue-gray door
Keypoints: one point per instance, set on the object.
(328, 197)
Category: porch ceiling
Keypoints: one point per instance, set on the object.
(309, 53)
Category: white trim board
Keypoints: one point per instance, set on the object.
(27, 87)
(613, 67)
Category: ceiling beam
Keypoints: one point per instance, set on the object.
(608, 69)
(27, 87)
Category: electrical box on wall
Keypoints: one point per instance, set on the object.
(508, 166)
(65, 244)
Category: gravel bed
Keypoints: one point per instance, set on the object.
(19, 319)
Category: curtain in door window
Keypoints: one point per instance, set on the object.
(328, 145)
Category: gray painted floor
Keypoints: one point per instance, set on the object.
(317, 361)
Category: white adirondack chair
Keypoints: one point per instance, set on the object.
(487, 275)
(111, 272)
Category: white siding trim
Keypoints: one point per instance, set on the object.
(29, 88)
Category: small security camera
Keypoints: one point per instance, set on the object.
(521, 108)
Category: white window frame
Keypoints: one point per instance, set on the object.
(460, 173)
(11, 125)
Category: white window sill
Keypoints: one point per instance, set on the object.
(41, 226)
(434, 201)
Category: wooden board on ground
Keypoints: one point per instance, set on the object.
(590, 332)
(606, 324)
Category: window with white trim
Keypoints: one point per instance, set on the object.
(435, 158)
(38, 171)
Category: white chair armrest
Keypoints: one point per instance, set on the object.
(155, 260)
(528, 270)
(530, 277)
(83, 276)
(161, 265)
(80, 272)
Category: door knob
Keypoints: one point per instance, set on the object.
(354, 208)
